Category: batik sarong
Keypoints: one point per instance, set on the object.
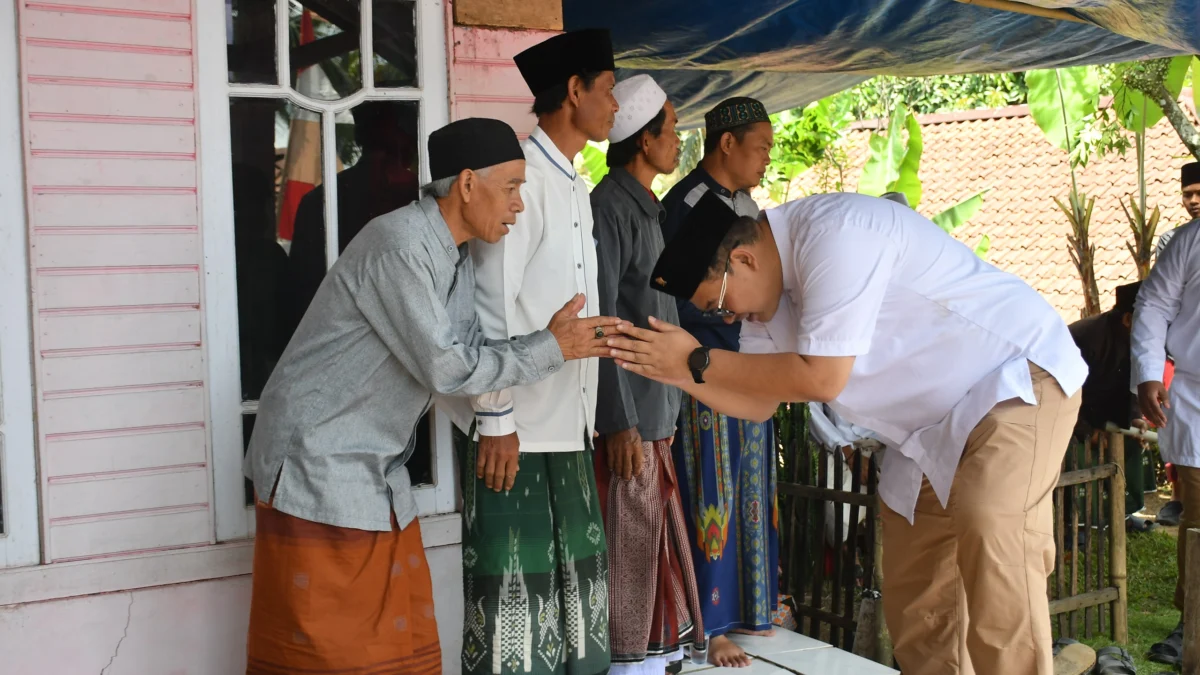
(653, 606)
(535, 571)
(333, 600)
(726, 471)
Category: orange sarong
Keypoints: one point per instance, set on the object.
(332, 600)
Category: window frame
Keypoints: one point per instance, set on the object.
(234, 520)
(20, 542)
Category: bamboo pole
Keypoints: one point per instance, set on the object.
(1022, 8)
(1191, 605)
(1116, 524)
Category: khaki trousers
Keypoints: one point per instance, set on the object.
(974, 573)
(1188, 487)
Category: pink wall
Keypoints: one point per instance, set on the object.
(110, 140)
(484, 81)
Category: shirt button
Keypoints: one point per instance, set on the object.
(580, 266)
(576, 224)
(450, 249)
(553, 368)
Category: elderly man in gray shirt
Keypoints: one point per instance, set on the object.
(340, 580)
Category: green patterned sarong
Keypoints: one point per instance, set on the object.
(535, 570)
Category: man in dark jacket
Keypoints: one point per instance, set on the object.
(1104, 342)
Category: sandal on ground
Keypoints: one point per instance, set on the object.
(1072, 658)
(1114, 661)
(1170, 512)
(1170, 650)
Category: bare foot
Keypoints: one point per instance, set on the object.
(770, 632)
(722, 652)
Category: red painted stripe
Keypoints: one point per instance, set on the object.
(123, 473)
(107, 11)
(128, 431)
(110, 119)
(75, 230)
(130, 349)
(109, 190)
(121, 309)
(117, 269)
(124, 389)
(102, 82)
(124, 48)
(113, 154)
(131, 513)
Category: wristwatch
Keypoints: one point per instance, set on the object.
(698, 362)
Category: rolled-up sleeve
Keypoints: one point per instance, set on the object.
(844, 274)
(1157, 305)
(399, 285)
(615, 408)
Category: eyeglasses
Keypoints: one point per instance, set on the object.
(720, 312)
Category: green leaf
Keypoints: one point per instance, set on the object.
(909, 182)
(595, 166)
(1196, 82)
(984, 246)
(1130, 103)
(886, 154)
(1059, 100)
(956, 216)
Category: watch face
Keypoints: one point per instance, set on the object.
(698, 360)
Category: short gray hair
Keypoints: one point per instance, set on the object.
(439, 188)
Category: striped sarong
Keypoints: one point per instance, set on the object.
(332, 600)
(654, 606)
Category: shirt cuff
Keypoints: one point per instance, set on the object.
(500, 423)
(544, 348)
(1154, 371)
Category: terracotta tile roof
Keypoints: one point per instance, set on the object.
(1004, 152)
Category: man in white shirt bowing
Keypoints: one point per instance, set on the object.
(535, 568)
(967, 375)
(1166, 319)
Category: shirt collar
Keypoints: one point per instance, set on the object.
(550, 151)
(441, 230)
(640, 194)
(713, 184)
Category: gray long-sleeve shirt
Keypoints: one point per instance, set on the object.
(629, 240)
(392, 325)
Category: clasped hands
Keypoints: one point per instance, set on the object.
(659, 353)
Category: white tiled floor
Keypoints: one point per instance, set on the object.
(788, 653)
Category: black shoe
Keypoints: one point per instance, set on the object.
(1170, 650)
(1170, 512)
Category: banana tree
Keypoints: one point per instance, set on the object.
(894, 164)
(1137, 112)
(592, 163)
(1061, 101)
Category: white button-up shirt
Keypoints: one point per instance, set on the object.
(546, 258)
(1166, 318)
(940, 336)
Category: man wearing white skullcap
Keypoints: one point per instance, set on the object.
(653, 603)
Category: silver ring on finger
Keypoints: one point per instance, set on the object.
(599, 333)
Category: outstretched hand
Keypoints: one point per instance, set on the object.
(581, 338)
(660, 353)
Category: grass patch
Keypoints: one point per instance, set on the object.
(1152, 613)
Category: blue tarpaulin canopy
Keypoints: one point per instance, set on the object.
(788, 53)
